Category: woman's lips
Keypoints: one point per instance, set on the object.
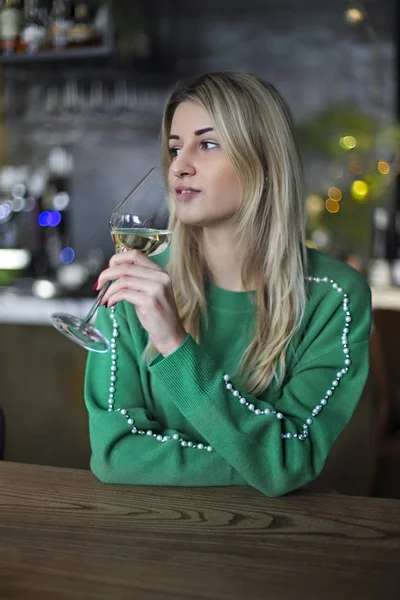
(186, 193)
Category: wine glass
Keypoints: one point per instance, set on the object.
(137, 223)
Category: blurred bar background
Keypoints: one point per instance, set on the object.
(82, 87)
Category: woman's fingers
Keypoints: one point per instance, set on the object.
(129, 269)
(148, 287)
(134, 257)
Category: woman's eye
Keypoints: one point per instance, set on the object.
(209, 145)
(174, 151)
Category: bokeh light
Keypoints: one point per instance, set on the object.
(49, 218)
(348, 142)
(383, 167)
(335, 194)
(332, 206)
(314, 204)
(54, 218)
(359, 190)
(354, 15)
(43, 218)
(67, 255)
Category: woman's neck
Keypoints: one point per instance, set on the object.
(224, 258)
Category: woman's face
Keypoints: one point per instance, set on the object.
(203, 182)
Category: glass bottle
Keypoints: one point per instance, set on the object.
(11, 20)
(60, 23)
(34, 32)
(82, 32)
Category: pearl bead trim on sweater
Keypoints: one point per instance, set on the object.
(304, 433)
(300, 435)
(124, 412)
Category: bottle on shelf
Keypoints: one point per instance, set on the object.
(34, 32)
(82, 32)
(11, 21)
(60, 23)
(379, 271)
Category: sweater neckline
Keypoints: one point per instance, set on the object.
(228, 300)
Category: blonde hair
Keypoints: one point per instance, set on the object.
(254, 128)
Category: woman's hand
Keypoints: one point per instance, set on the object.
(140, 281)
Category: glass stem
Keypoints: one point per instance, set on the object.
(98, 302)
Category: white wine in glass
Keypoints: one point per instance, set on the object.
(137, 223)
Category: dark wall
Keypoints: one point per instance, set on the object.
(306, 49)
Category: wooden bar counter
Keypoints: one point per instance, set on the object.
(66, 536)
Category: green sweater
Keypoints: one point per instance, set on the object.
(183, 420)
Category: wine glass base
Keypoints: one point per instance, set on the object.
(80, 332)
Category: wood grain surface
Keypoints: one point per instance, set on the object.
(64, 535)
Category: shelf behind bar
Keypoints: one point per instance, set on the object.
(55, 55)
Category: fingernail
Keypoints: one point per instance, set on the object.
(96, 283)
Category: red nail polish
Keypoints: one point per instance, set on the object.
(95, 285)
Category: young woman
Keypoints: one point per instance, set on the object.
(238, 355)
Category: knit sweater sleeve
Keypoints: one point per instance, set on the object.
(280, 446)
(129, 445)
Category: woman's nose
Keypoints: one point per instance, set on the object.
(182, 165)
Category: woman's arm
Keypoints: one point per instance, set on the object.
(123, 449)
(282, 446)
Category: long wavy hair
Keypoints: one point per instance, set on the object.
(255, 129)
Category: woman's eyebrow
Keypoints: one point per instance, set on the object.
(198, 132)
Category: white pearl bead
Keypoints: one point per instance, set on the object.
(190, 444)
(113, 378)
(279, 415)
(267, 411)
(134, 430)
(324, 402)
(242, 400)
(200, 446)
(210, 448)
(288, 436)
(309, 421)
(229, 386)
(257, 411)
(160, 438)
(131, 421)
(236, 394)
(183, 444)
(112, 389)
(347, 362)
(123, 411)
(329, 393)
(149, 432)
(226, 377)
(175, 436)
(251, 407)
